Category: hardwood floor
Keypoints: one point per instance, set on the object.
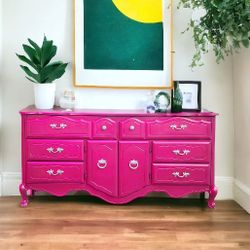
(83, 222)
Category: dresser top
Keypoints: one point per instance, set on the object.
(31, 110)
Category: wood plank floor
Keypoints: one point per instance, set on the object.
(82, 222)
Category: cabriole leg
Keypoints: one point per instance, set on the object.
(212, 194)
(24, 196)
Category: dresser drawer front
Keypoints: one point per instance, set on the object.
(197, 174)
(132, 129)
(187, 151)
(57, 126)
(55, 150)
(105, 128)
(56, 172)
(179, 128)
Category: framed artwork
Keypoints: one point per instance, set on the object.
(123, 44)
(191, 94)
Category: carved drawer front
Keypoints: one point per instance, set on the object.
(44, 172)
(105, 128)
(181, 174)
(57, 126)
(186, 151)
(132, 129)
(179, 128)
(55, 150)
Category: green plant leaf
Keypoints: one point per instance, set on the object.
(57, 72)
(26, 60)
(30, 73)
(31, 53)
(30, 79)
(36, 47)
(48, 70)
(48, 51)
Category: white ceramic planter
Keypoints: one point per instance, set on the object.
(44, 95)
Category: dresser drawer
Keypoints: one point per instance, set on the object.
(178, 127)
(181, 174)
(39, 126)
(186, 151)
(55, 150)
(132, 129)
(105, 128)
(44, 172)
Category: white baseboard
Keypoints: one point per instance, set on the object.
(225, 187)
(242, 195)
(0, 184)
(11, 180)
(10, 183)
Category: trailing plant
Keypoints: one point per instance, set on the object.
(39, 58)
(225, 26)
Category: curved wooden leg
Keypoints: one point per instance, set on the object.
(212, 194)
(24, 196)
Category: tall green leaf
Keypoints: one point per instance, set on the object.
(30, 73)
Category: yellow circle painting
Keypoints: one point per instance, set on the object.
(145, 11)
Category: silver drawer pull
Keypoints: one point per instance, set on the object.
(56, 126)
(181, 127)
(55, 151)
(184, 152)
(132, 127)
(58, 172)
(102, 164)
(184, 174)
(133, 164)
(104, 128)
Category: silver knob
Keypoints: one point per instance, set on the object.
(102, 164)
(133, 164)
(104, 127)
(132, 127)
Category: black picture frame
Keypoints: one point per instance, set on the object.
(191, 92)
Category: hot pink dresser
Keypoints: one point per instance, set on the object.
(117, 155)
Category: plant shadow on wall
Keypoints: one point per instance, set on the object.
(224, 26)
(43, 73)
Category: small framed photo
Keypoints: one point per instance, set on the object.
(191, 93)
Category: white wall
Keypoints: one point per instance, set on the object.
(242, 132)
(0, 96)
(33, 18)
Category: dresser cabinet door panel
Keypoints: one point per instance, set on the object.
(102, 166)
(56, 172)
(132, 129)
(105, 128)
(55, 150)
(57, 126)
(133, 167)
(181, 174)
(186, 151)
(179, 128)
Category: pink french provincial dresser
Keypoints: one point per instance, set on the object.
(117, 155)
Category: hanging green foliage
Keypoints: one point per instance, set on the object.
(224, 27)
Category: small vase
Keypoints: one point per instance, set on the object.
(44, 95)
(177, 99)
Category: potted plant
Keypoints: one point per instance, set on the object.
(42, 72)
(223, 25)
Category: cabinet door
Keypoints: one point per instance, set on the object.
(102, 166)
(133, 166)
